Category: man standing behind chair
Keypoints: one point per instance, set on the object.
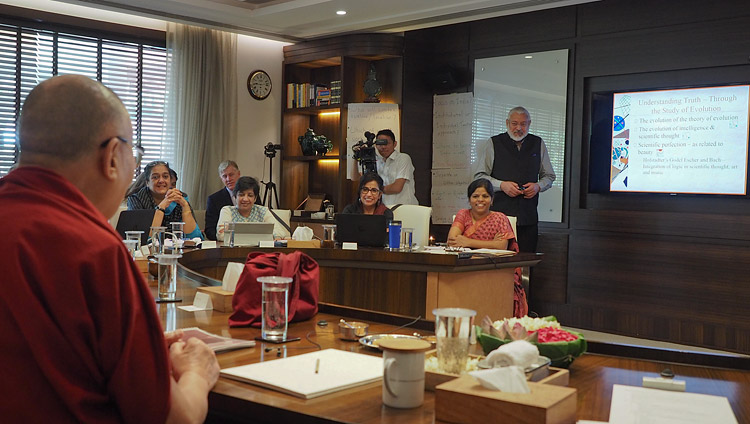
(82, 341)
(396, 170)
(229, 172)
(518, 165)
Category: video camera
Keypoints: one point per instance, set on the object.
(364, 152)
(270, 149)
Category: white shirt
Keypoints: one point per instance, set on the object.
(397, 165)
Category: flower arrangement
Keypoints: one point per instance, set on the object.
(561, 346)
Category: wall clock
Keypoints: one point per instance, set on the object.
(259, 84)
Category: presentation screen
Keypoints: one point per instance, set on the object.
(688, 140)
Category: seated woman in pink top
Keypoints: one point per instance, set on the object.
(479, 227)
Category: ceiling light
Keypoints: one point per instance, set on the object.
(341, 12)
(528, 57)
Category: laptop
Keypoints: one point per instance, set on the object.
(252, 233)
(136, 220)
(365, 230)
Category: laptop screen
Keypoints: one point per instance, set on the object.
(136, 220)
(365, 230)
(251, 233)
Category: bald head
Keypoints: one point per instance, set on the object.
(65, 117)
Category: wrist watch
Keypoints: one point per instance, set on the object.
(160, 209)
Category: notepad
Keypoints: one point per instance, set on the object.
(336, 370)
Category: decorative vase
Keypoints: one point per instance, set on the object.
(313, 144)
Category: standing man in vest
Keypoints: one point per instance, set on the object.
(229, 173)
(518, 165)
(396, 170)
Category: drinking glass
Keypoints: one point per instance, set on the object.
(453, 330)
(275, 307)
(177, 236)
(167, 277)
(406, 239)
(157, 240)
(134, 235)
(131, 246)
(229, 234)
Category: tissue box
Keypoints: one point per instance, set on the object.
(299, 244)
(142, 264)
(221, 299)
(464, 401)
(554, 376)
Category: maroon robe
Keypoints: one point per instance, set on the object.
(80, 337)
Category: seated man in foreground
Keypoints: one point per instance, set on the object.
(82, 341)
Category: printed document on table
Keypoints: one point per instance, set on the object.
(312, 374)
(631, 405)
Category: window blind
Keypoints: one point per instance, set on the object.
(136, 72)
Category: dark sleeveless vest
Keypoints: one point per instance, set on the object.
(520, 166)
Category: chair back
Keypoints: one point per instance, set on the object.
(513, 220)
(417, 217)
(116, 217)
(286, 216)
(200, 218)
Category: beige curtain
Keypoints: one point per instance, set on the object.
(201, 110)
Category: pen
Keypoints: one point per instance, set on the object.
(317, 365)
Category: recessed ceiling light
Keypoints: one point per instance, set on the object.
(341, 12)
(528, 57)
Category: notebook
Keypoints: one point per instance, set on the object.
(252, 233)
(136, 220)
(297, 376)
(365, 230)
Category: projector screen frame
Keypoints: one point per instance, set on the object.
(597, 136)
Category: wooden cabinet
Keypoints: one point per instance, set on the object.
(346, 59)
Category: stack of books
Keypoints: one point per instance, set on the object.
(335, 92)
(308, 94)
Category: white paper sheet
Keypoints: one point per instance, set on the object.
(637, 405)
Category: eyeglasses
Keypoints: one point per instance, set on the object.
(138, 151)
(366, 190)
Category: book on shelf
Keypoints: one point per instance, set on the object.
(300, 95)
(216, 343)
(336, 92)
(311, 374)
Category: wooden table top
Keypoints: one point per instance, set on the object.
(593, 375)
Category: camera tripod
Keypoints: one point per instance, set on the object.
(270, 185)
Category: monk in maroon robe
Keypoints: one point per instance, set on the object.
(81, 339)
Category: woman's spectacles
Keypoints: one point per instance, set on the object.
(366, 190)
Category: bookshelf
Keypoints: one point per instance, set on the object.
(319, 62)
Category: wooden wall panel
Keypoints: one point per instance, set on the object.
(526, 28)
(548, 282)
(607, 17)
(663, 268)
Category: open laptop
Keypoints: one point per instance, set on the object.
(252, 233)
(136, 220)
(365, 230)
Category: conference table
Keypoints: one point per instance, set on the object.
(232, 401)
(401, 283)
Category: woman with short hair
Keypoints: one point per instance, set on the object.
(244, 195)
